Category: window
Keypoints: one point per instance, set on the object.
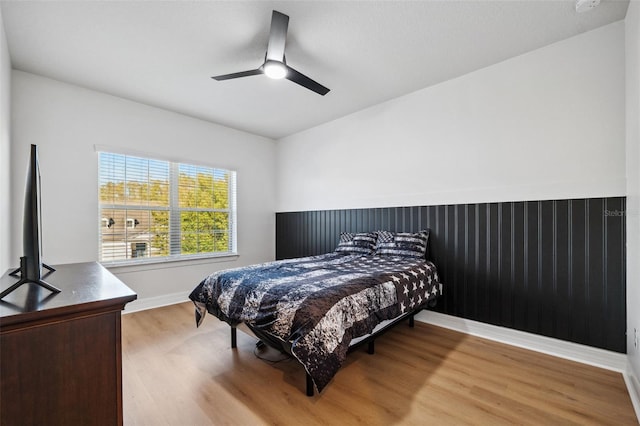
(164, 210)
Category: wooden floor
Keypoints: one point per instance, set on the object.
(175, 374)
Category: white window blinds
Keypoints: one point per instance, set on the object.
(160, 209)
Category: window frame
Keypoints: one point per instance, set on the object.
(174, 210)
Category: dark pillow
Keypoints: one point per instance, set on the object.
(357, 243)
(408, 244)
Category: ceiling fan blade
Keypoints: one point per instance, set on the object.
(238, 74)
(304, 81)
(277, 36)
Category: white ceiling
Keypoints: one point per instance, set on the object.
(163, 53)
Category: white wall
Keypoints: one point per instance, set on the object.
(632, 38)
(544, 125)
(66, 121)
(5, 166)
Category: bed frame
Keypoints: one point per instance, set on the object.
(285, 347)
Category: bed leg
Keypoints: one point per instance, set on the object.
(234, 336)
(371, 348)
(309, 385)
(411, 321)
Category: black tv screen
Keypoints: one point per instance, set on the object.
(31, 265)
(31, 242)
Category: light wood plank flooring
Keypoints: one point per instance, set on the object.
(176, 374)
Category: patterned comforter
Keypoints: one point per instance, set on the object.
(318, 304)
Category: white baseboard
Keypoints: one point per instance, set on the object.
(633, 387)
(560, 348)
(155, 302)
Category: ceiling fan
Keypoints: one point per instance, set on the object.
(275, 65)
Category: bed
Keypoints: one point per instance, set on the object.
(314, 308)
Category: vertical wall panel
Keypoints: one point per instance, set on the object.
(555, 268)
(494, 263)
(561, 269)
(482, 259)
(532, 265)
(596, 270)
(579, 231)
(616, 270)
(546, 317)
(505, 259)
(517, 279)
(470, 261)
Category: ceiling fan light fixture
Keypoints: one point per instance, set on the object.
(275, 69)
(275, 65)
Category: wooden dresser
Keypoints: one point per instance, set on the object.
(60, 354)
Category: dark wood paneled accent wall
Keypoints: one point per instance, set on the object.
(554, 268)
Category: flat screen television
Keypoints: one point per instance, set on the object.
(31, 265)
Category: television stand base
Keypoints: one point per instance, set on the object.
(24, 279)
(19, 270)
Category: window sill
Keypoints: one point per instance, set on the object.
(126, 266)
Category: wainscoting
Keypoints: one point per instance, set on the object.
(554, 268)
